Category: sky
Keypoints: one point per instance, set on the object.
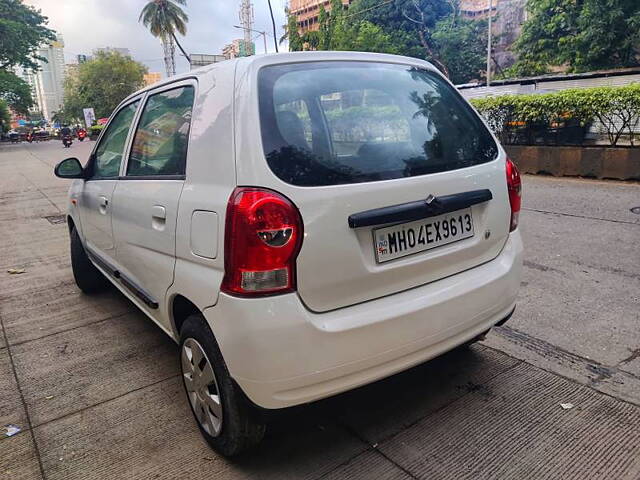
(89, 24)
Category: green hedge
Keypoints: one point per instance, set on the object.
(616, 109)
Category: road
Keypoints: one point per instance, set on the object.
(94, 385)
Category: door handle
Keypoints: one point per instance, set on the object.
(104, 201)
(158, 217)
(159, 212)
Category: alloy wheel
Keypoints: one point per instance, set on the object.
(202, 387)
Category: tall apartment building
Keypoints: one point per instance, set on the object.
(47, 83)
(508, 16)
(307, 12)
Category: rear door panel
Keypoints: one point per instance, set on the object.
(337, 265)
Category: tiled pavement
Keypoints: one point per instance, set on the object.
(93, 384)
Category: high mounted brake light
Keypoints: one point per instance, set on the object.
(262, 240)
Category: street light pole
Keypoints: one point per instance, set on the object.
(264, 35)
(489, 45)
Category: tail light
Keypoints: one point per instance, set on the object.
(262, 240)
(514, 187)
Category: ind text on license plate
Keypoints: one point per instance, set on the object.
(409, 238)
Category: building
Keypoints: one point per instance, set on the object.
(238, 48)
(122, 51)
(200, 60)
(151, 78)
(47, 83)
(50, 85)
(82, 58)
(29, 77)
(508, 16)
(307, 12)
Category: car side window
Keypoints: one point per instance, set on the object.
(108, 154)
(161, 140)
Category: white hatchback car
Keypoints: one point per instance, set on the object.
(301, 224)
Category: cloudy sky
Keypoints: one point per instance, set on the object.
(88, 24)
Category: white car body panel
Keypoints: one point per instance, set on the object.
(329, 336)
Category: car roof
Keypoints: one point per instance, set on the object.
(258, 61)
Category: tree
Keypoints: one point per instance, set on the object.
(338, 31)
(461, 46)
(324, 35)
(5, 117)
(410, 23)
(22, 31)
(15, 91)
(164, 18)
(102, 83)
(291, 32)
(581, 35)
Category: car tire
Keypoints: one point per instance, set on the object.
(88, 278)
(238, 427)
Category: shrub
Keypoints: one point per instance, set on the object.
(617, 110)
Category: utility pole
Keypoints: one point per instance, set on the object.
(489, 45)
(246, 20)
(273, 23)
(263, 33)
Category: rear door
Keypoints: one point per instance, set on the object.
(398, 181)
(147, 196)
(97, 194)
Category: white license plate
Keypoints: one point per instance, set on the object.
(408, 238)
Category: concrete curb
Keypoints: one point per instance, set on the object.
(596, 162)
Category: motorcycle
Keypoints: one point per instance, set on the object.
(82, 134)
(30, 137)
(67, 141)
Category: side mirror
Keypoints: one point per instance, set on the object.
(69, 168)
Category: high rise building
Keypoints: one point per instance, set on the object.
(47, 83)
(307, 12)
(151, 78)
(81, 58)
(50, 84)
(239, 48)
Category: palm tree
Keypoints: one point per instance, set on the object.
(164, 18)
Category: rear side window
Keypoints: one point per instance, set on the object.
(330, 123)
(161, 140)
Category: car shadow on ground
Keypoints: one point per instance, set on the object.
(350, 423)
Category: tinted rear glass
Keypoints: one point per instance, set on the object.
(330, 123)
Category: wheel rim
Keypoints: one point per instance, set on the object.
(202, 387)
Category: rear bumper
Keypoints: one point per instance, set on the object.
(281, 354)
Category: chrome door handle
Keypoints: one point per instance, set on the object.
(104, 201)
(159, 212)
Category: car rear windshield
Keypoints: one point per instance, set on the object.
(330, 123)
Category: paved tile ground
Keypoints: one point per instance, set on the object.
(97, 393)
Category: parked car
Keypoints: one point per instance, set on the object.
(301, 224)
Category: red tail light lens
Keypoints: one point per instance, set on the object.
(514, 187)
(262, 240)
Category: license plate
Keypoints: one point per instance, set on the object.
(405, 239)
